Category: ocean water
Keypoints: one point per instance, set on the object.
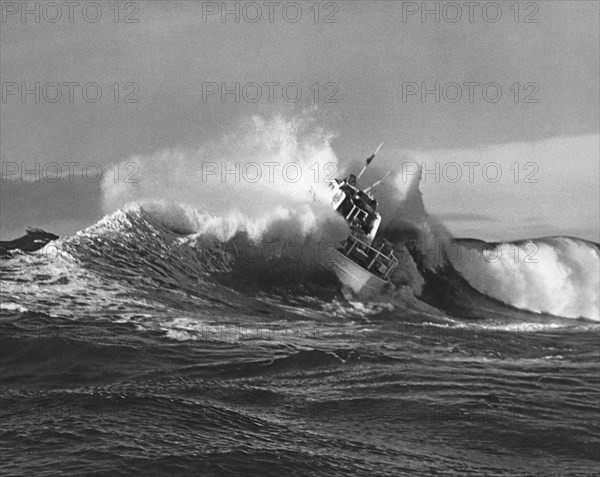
(138, 348)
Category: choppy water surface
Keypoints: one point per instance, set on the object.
(131, 349)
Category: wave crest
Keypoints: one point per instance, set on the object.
(211, 179)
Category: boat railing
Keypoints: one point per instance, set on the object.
(353, 214)
(390, 261)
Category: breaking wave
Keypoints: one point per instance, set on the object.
(181, 226)
(557, 275)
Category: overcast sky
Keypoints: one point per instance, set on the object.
(548, 115)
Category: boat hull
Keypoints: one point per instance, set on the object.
(362, 282)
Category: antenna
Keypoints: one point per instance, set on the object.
(378, 182)
(368, 161)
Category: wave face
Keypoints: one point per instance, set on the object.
(184, 335)
(557, 276)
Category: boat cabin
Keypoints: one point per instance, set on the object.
(356, 206)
